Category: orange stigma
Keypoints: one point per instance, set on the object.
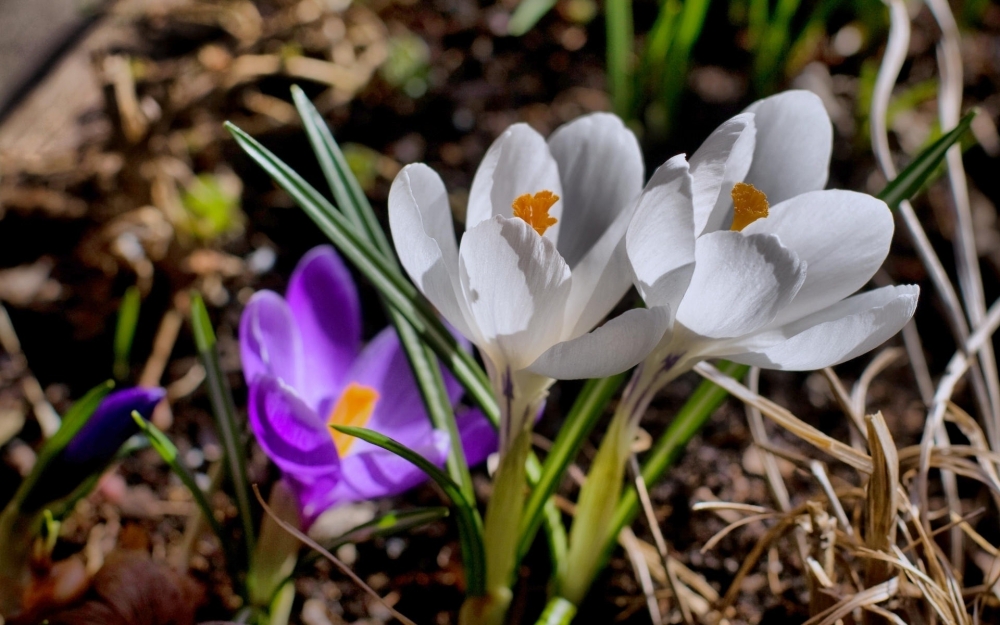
(749, 205)
(354, 408)
(534, 210)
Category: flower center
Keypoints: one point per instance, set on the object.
(354, 407)
(534, 209)
(749, 205)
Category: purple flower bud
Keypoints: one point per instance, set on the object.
(94, 445)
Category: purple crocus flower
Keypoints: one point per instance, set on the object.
(306, 369)
(94, 445)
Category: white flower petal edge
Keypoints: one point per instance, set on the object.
(619, 344)
(740, 284)
(660, 240)
(793, 144)
(843, 236)
(836, 334)
(601, 171)
(420, 221)
(516, 285)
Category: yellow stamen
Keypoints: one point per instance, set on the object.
(749, 205)
(534, 209)
(354, 408)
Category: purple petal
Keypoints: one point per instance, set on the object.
(370, 472)
(270, 344)
(399, 412)
(94, 445)
(111, 425)
(291, 434)
(479, 437)
(324, 302)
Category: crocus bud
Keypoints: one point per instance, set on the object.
(94, 445)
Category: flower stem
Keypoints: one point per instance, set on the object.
(502, 513)
(599, 495)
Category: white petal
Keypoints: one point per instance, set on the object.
(420, 221)
(660, 240)
(843, 236)
(839, 333)
(721, 161)
(516, 285)
(617, 345)
(601, 170)
(600, 279)
(518, 162)
(794, 141)
(739, 284)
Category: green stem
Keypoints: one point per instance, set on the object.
(602, 490)
(699, 407)
(276, 552)
(506, 506)
(594, 550)
(559, 611)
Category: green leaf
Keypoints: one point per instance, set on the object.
(581, 419)
(398, 292)
(224, 411)
(348, 194)
(695, 412)
(128, 318)
(924, 166)
(773, 46)
(527, 14)
(76, 417)
(689, 27)
(470, 524)
(163, 446)
(620, 50)
(654, 55)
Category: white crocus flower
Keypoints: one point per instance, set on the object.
(542, 260)
(777, 259)
(541, 263)
(777, 263)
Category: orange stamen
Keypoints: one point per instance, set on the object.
(534, 209)
(749, 205)
(354, 408)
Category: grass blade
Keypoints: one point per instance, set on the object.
(527, 14)
(128, 317)
(224, 410)
(163, 446)
(347, 192)
(620, 49)
(924, 166)
(692, 19)
(470, 524)
(581, 419)
(772, 47)
(654, 55)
